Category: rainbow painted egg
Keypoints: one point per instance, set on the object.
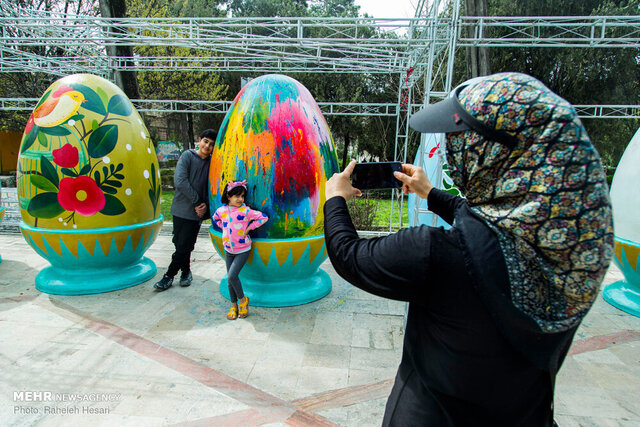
(276, 138)
(89, 187)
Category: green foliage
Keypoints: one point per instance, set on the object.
(363, 212)
(197, 85)
(165, 205)
(33, 84)
(581, 76)
(268, 7)
(166, 176)
(376, 135)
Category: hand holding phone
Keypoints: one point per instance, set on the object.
(415, 181)
(377, 175)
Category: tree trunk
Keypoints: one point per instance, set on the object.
(190, 133)
(347, 142)
(477, 57)
(126, 80)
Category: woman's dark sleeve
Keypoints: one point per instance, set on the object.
(394, 266)
(443, 204)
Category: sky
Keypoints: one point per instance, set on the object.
(388, 8)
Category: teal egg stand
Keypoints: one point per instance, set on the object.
(625, 294)
(281, 272)
(92, 261)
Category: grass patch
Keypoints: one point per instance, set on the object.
(165, 205)
(383, 213)
(380, 222)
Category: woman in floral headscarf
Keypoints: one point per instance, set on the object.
(494, 301)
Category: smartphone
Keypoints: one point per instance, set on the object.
(378, 175)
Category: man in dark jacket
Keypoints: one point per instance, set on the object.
(189, 207)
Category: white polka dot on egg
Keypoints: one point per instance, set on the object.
(146, 173)
(106, 160)
(128, 147)
(127, 191)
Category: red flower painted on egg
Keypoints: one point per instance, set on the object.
(81, 195)
(66, 156)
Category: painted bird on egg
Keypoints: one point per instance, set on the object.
(275, 137)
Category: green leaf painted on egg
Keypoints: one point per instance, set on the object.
(55, 131)
(92, 101)
(113, 183)
(112, 206)
(103, 95)
(45, 205)
(94, 124)
(42, 183)
(153, 175)
(48, 170)
(42, 139)
(24, 202)
(119, 104)
(68, 172)
(29, 139)
(102, 141)
(85, 169)
(44, 98)
(109, 190)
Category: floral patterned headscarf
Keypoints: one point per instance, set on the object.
(546, 198)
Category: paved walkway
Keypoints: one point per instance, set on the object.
(141, 358)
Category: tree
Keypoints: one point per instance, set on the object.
(180, 85)
(32, 84)
(268, 7)
(345, 87)
(125, 79)
(580, 75)
(477, 57)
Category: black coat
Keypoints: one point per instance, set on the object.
(469, 357)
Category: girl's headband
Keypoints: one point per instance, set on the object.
(234, 184)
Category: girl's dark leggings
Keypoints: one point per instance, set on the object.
(235, 262)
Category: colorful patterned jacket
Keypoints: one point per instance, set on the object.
(236, 222)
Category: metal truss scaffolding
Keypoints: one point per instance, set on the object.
(416, 50)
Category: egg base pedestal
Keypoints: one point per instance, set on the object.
(55, 281)
(280, 272)
(283, 293)
(93, 261)
(625, 294)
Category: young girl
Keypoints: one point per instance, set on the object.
(236, 220)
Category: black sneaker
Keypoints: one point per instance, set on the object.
(164, 283)
(185, 279)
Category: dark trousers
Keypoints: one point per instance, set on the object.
(185, 233)
(235, 262)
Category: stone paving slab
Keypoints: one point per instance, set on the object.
(141, 358)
